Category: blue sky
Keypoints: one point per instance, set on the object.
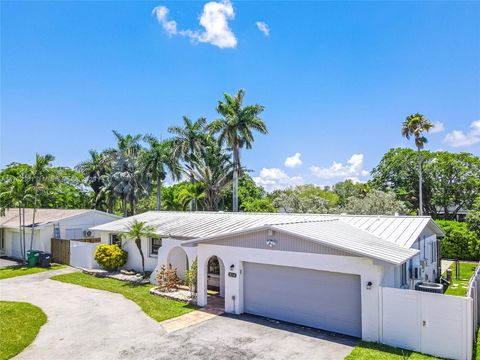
(336, 78)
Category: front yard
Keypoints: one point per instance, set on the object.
(459, 287)
(19, 270)
(373, 351)
(20, 323)
(156, 307)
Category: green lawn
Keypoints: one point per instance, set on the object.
(373, 351)
(459, 287)
(20, 323)
(156, 307)
(20, 270)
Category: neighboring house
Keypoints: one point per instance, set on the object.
(329, 267)
(67, 224)
(460, 213)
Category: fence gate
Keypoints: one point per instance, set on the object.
(61, 251)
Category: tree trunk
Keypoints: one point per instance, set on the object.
(420, 181)
(159, 194)
(33, 218)
(236, 165)
(20, 231)
(23, 240)
(124, 205)
(192, 180)
(138, 242)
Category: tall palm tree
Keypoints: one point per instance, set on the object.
(193, 191)
(235, 129)
(94, 169)
(137, 230)
(128, 144)
(40, 175)
(189, 140)
(159, 161)
(415, 125)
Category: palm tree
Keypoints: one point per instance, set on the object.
(40, 174)
(17, 193)
(137, 230)
(159, 161)
(414, 125)
(94, 169)
(128, 144)
(191, 192)
(235, 130)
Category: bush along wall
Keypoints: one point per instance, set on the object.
(459, 242)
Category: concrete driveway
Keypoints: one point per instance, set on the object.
(6, 262)
(93, 324)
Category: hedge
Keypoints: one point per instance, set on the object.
(459, 242)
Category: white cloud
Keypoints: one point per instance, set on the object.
(352, 169)
(458, 138)
(438, 127)
(273, 179)
(214, 19)
(263, 27)
(293, 161)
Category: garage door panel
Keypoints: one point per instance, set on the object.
(313, 298)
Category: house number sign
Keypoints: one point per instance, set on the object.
(232, 274)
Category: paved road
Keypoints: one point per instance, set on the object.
(92, 324)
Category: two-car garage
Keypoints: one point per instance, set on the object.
(320, 299)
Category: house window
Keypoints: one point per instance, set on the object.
(403, 274)
(115, 239)
(73, 234)
(155, 245)
(433, 251)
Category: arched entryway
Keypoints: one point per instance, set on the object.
(177, 258)
(215, 280)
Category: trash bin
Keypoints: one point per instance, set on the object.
(33, 257)
(45, 259)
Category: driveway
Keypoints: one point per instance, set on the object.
(93, 324)
(6, 262)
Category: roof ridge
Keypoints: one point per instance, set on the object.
(302, 222)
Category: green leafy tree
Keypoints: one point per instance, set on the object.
(263, 205)
(375, 203)
(305, 199)
(459, 242)
(348, 189)
(248, 192)
(137, 230)
(95, 169)
(415, 125)
(235, 129)
(159, 161)
(473, 218)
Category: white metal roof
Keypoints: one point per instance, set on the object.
(400, 230)
(334, 233)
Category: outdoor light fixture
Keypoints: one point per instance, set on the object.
(369, 285)
(232, 267)
(271, 243)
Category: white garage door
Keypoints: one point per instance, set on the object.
(16, 246)
(320, 299)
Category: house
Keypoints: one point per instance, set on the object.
(67, 224)
(322, 271)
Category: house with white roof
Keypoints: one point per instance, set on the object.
(322, 271)
(69, 224)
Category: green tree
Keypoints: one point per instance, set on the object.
(137, 230)
(95, 169)
(192, 193)
(415, 125)
(159, 161)
(375, 203)
(348, 189)
(263, 205)
(459, 242)
(248, 192)
(235, 129)
(305, 199)
(41, 175)
(473, 218)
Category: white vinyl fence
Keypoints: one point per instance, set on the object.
(82, 254)
(434, 324)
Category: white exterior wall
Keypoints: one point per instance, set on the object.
(342, 264)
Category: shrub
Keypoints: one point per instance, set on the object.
(110, 257)
(191, 277)
(167, 279)
(459, 242)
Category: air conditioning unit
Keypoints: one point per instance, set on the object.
(88, 233)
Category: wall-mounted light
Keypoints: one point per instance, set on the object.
(369, 285)
(232, 267)
(271, 243)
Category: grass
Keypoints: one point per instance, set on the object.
(156, 307)
(20, 323)
(19, 270)
(459, 287)
(373, 351)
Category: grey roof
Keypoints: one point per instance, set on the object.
(334, 233)
(44, 216)
(400, 230)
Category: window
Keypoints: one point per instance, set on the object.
(403, 274)
(434, 251)
(115, 239)
(155, 245)
(73, 234)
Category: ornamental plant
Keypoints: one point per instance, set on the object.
(191, 277)
(110, 257)
(167, 279)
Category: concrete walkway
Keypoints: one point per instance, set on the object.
(82, 323)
